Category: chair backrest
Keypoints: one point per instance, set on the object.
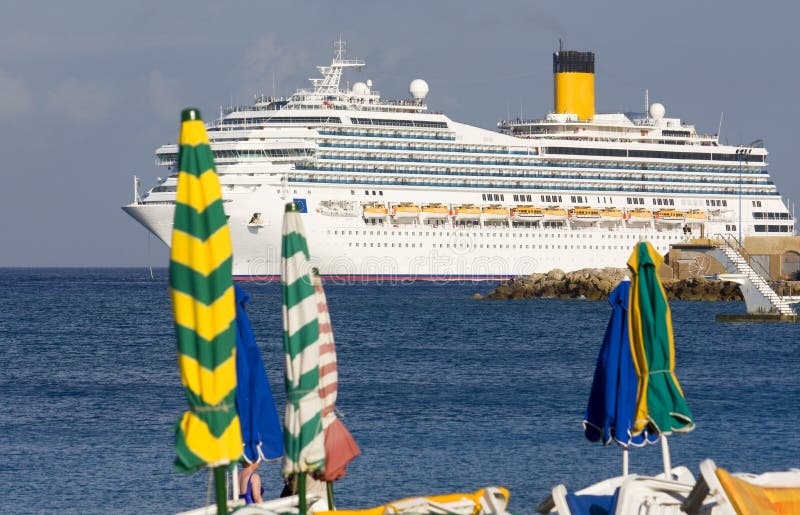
(745, 494)
(748, 498)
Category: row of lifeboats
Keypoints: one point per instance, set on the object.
(523, 213)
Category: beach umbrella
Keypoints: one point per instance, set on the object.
(303, 438)
(261, 427)
(612, 401)
(660, 403)
(340, 447)
(201, 287)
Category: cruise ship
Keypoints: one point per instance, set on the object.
(389, 189)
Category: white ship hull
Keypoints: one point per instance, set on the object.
(354, 248)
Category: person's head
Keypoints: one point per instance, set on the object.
(249, 464)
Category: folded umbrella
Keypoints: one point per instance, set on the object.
(261, 427)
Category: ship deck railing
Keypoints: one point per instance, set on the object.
(436, 137)
(548, 163)
(649, 167)
(424, 149)
(468, 182)
(643, 178)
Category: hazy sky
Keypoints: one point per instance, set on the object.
(89, 89)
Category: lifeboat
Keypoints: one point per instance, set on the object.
(555, 213)
(639, 216)
(375, 210)
(584, 214)
(436, 211)
(406, 210)
(468, 212)
(611, 214)
(670, 216)
(495, 212)
(696, 215)
(526, 213)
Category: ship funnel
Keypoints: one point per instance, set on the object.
(573, 77)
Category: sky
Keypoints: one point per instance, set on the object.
(90, 89)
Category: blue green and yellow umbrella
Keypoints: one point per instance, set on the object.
(660, 403)
(201, 287)
(303, 438)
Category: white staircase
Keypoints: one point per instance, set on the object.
(744, 268)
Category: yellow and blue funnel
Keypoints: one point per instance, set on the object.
(573, 76)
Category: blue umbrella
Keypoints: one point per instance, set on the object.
(261, 428)
(612, 402)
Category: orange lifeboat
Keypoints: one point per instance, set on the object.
(555, 213)
(639, 216)
(495, 212)
(696, 215)
(406, 210)
(584, 215)
(670, 216)
(375, 210)
(468, 212)
(435, 211)
(526, 213)
(611, 214)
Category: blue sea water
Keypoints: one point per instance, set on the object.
(442, 392)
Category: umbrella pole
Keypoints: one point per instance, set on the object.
(624, 461)
(301, 493)
(331, 505)
(665, 455)
(221, 488)
(235, 482)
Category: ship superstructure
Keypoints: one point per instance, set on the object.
(390, 189)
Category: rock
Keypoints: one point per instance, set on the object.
(478, 296)
(596, 284)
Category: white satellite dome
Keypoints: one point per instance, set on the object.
(418, 88)
(657, 111)
(359, 88)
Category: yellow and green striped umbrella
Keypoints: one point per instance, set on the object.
(660, 402)
(303, 438)
(201, 286)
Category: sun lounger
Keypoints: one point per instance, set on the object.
(622, 494)
(745, 494)
(487, 501)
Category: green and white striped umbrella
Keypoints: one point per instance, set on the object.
(303, 438)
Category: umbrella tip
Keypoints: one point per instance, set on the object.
(190, 114)
(291, 206)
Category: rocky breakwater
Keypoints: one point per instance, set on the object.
(596, 284)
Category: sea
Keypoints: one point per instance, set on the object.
(443, 393)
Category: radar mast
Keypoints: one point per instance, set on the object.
(328, 84)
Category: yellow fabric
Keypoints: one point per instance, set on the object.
(212, 450)
(378, 510)
(210, 385)
(198, 192)
(745, 497)
(207, 321)
(193, 132)
(574, 94)
(748, 498)
(785, 500)
(441, 499)
(203, 257)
